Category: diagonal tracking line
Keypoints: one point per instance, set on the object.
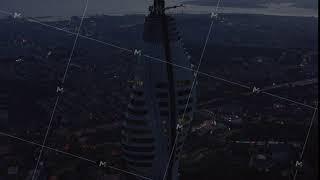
(160, 60)
(47, 147)
(30, 19)
(75, 43)
(309, 130)
(71, 155)
(80, 35)
(58, 96)
(206, 74)
(191, 90)
(46, 135)
(289, 100)
(57, 100)
(306, 139)
(199, 72)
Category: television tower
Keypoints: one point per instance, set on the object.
(158, 100)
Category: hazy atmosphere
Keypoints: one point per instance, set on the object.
(120, 7)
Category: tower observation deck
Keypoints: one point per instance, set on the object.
(158, 100)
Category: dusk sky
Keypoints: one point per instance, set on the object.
(118, 7)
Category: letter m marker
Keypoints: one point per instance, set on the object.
(137, 52)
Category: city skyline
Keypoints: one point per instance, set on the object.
(61, 8)
(113, 97)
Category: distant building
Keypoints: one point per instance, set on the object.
(158, 99)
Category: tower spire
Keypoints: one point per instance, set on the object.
(158, 7)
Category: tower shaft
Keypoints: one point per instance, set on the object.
(158, 100)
